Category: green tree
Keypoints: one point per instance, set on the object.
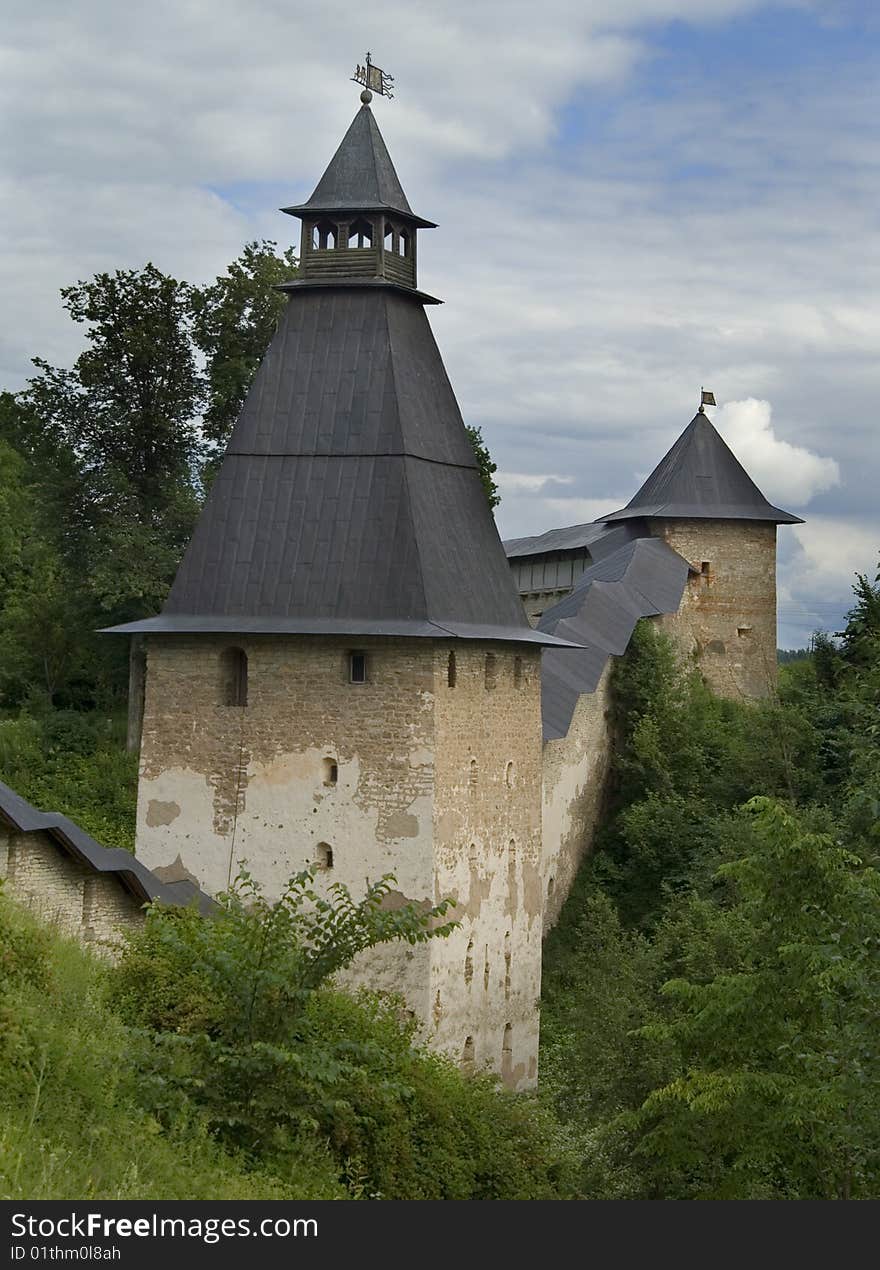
(43, 628)
(231, 996)
(234, 319)
(124, 422)
(779, 1093)
(485, 464)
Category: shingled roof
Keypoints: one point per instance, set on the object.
(642, 578)
(701, 478)
(349, 499)
(360, 177)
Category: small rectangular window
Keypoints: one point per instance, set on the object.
(357, 668)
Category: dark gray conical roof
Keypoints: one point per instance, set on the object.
(360, 177)
(701, 478)
(349, 499)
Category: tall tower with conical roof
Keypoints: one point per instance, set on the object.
(343, 673)
(702, 502)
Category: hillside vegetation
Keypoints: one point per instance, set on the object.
(712, 990)
(217, 1061)
(710, 993)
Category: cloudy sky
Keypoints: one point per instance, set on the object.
(635, 198)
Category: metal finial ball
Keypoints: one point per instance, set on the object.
(366, 96)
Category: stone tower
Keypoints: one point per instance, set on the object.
(343, 674)
(700, 500)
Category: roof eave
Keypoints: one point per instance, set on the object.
(208, 624)
(678, 511)
(316, 284)
(303, 210)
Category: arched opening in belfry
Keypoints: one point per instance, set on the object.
(360, 233)
(451, 670)
(323, 856)
(234, 677)
(403, 242)
(388, 240)
(324, 236)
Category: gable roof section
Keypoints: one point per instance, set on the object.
(598, 537)
(360, 176)
(701, 478)
(16, 812)
(642, 578)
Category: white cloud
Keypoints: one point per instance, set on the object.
(785, 473)
(522, 514)
(518, 482)
(591, 284)
(818, 567)
(833, 552)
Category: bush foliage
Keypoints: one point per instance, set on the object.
(218, 1059)
(711, 990)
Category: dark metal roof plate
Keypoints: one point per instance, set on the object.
(360, 176)
(349, 497)
(642, 578)
(701, 478)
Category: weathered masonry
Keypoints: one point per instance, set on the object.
(326, 684)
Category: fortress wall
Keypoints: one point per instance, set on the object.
(89, 906)
(486, 977)
(575, 771)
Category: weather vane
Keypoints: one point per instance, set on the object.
(374, 80)
(707, 398)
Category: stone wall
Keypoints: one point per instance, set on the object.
(727, 618)
(224, 785)
(575, 775)
(405, 773)
(90, 906)
(486, 977)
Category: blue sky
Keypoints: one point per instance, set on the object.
(635, 197)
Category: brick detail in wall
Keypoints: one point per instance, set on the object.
(222, 784)
(727, 618)
(93, 907)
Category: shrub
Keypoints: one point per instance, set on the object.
(72, 1125)
(238, 1017)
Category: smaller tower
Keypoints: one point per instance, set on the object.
(701, 501)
